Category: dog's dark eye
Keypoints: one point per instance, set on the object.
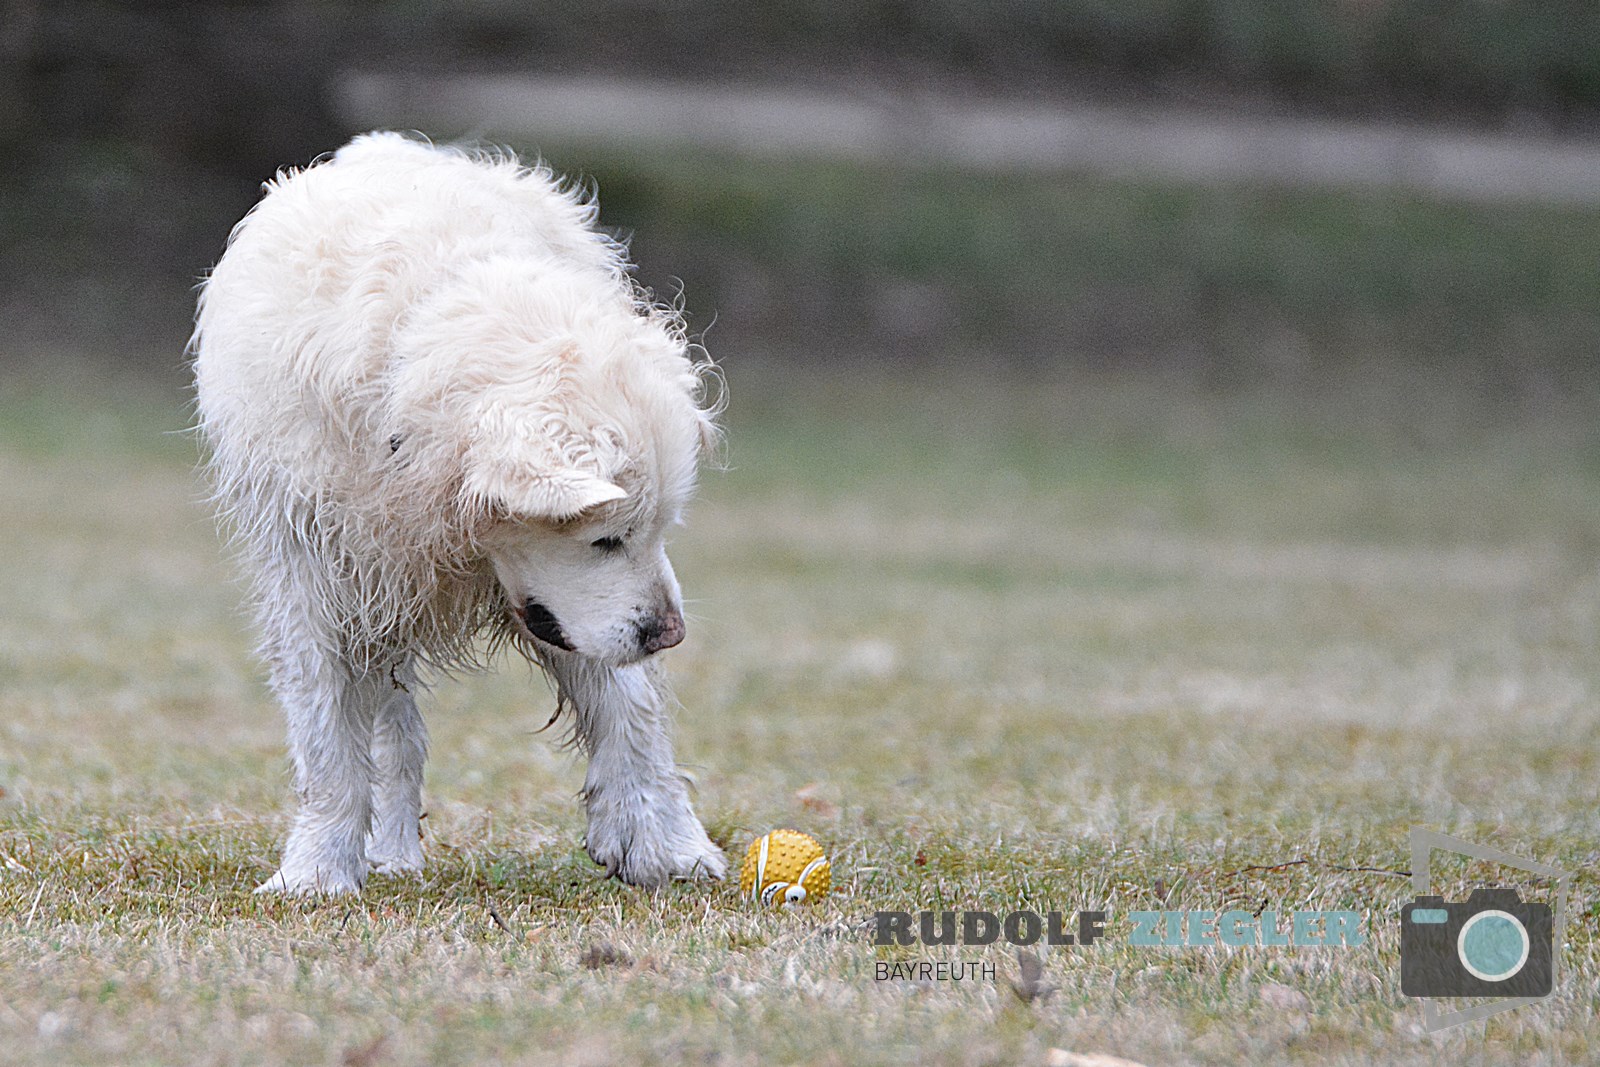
(607, 544)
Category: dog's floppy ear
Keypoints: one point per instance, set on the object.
(535, 490)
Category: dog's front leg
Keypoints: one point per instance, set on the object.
(399, 752)
(641, 826)
(329, 713)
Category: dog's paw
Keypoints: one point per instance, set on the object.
(650, 865)
(395, 866)
(648, 845)
(300, 882)
(385, 855)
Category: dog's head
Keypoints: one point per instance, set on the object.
(584, 487)
(591, 576)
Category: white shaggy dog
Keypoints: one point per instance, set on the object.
(439, 409)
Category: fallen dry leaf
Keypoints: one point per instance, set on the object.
(1029, 985)
(810, 798)
(603, 954)
(366, 1055)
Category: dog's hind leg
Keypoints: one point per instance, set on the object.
(399, 751)
(641, 826)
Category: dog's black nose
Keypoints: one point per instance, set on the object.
(543, 625)
(660, 631)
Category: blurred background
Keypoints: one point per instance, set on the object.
(1226, 190)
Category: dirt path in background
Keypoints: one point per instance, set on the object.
(1009, 135)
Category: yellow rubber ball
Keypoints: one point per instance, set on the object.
(785, 867)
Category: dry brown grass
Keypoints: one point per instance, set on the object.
(1077, 644)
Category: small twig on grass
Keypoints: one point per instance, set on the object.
(498, 921)
(1319, 863)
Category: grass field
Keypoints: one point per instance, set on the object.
(1239, 280)
(1084, 642)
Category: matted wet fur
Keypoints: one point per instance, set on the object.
(442, 418)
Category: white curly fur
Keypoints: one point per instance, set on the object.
(430, 389)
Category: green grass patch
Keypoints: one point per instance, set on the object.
(1234, 278)
(1056, 643)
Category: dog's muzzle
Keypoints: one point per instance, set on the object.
(541, 624)
(660, 631)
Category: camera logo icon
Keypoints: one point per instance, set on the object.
(1492, 945)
